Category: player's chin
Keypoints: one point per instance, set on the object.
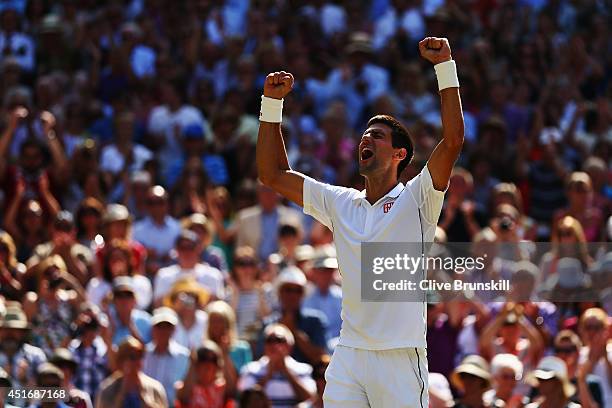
(366, 167)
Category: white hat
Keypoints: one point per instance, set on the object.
(291, 275)
(552, 367)
(164, 315)
(440, 389)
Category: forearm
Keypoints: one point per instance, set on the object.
(488, 335)
(301, 393)
(230, 375)
(271, 155)
(312, 352)
(452, 118)
(535, 340)
(11, 216)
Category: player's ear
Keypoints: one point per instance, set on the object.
(400, 154)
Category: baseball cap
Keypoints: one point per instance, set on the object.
(164, 315)
(280, 331)
(123, 284)
(116, 212)
(552, 367)
(193, 132)
(63, 356)
(48, 369)
(64, 221)
(439, 387)
(474, 365)
(291, 275)
(325, 263)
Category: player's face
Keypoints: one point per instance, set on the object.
(376, 150)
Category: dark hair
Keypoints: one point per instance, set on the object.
(400, 137)
(254, 393)
(116, 245)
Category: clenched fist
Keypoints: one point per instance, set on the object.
(435, 50)
(278, 84)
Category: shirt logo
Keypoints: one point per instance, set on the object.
(387, 206)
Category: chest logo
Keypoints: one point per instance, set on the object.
(387, 206)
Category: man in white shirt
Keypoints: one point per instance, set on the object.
(380, 361)
(188, 267)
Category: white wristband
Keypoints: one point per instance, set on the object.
(447, 75)
(271, 110)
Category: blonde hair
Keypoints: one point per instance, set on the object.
(510, 190)
(224, 310)
(595, 313)
(6, 239)
(572, 223)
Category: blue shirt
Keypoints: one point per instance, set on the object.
(160, 238)
(141, 320)
(167, 368)
(269, 234)
(329, 304)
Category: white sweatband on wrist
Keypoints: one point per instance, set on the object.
(271, 110)
(447, 75)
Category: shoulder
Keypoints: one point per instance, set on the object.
(249, 212)
(110, 382)
(178, 350)
(301, 369)
(255, 367)
(206, 269)
(313, 315)
(167, 272)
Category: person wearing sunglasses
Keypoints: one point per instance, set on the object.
(285, 381)
(567, 345)
(596, 353)
(507, 371)
(471, 378)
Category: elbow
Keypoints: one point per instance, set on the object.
(267, 180)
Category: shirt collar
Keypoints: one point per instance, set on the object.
(393, 193)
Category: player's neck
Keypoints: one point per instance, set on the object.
(377, 187)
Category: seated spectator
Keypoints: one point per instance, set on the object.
(11, 271)
(158, 230)
(54, 305)
(307, 326)
(124, 318)
(165, 360)
(289, 238)
(285, 381)
(187, 298)
(552, 382)
(50, 376)
(472, 379)
(90, 350)
(205, 228)
(188, 265)
(77, 258)
(567, 346)
(326, 295)
(22, 358)
(136, 193)
(222, 330)
(117, 260)
(116, 225)
(596, 354)
(64, 360)
(129, 386)
(507, 371)
(508, 193)
(249, 297)
(203, 386)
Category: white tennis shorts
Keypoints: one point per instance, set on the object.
(358, 378)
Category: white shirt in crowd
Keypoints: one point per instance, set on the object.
(112, 159)
(98, 289)
(353, 220)
(193, 337)
(209, 277)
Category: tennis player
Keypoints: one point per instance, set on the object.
(381, 358)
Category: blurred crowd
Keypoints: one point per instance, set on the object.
(142, 265)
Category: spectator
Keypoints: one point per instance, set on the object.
(54, 305)
(595, 354)
(64, 360)
(158, 231)
(13, 41)
(136, 194)
(254, 397)
(77, 258)
(129, 386)
(88, 220)
(187, 297)
(204, 227)
(5, 382)
(567, 346)
(506, 372)
(285, 381)
(249, 297)
(552, 382)
(117, 260)
(327, 295)
(472, 378)
(11, 271)
(125, 319)
(307, 326)
(164, 359)
(443, 325)
(203, 387)
(22, 358)
(188, 266)
(508, 193)
(50, 376)
(257, 226)
(440, 395)
(222, 330)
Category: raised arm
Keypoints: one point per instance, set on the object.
(272, 164)
(440, 164)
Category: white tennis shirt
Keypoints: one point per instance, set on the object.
(353, 220)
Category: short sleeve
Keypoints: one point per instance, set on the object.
(317, 200)
(428, 198)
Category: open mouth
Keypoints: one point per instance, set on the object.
(366, 153)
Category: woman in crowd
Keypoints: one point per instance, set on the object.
(11, 271)
(88, 221)
(507, 371)
(508, 193)
(117, 261)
